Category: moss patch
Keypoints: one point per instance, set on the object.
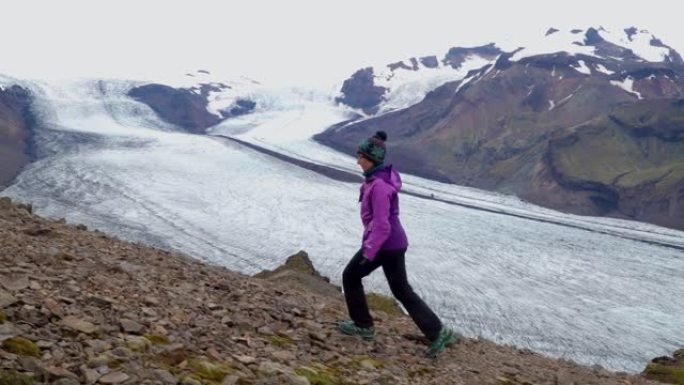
(383, 303)
(277, 340)
(157, 339)
(3, 317)
(367, 362)
(421, 371)
(172, 359)
(21, 346)
(10, 377)
(316, 376)
(664, 373)
(209, 371)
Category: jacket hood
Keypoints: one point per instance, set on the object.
(390, 176)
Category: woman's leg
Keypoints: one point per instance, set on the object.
(394, 267)
(353, 289)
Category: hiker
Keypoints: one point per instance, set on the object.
(384, 244)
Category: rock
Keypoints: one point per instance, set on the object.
(36, 366)
(269, 367)
(45, 344)
(99, 361)
(246, 360)
(91, 376)
(66, 381)
(213, 353)
(6, 299)
(283, 356)
(231, 380)
(151, 301)
(149, 312)
(294, 379)
(130, 326)
(317, 336)
(53, 307)
(114, 378)
(15, 283)
(164, 376)
(122, 352)
(99, 301)
(99, 346)
(79, 325)
(7, 330)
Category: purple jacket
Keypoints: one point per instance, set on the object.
(379, 199)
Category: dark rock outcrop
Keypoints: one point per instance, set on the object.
(667, 369)
(181, 107)
(360, 91)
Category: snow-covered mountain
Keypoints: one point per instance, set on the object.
(583, 121)
(255, 187)
(380, 89)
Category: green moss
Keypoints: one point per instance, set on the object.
(278, 340)
(21, 346)
(421, 371)
(10, 377)
(664, 373)
(316, 377)
(157, 339)
(209, 371)
(138, 344)
(3, 317)
(383, 303)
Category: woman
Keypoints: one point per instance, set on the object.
(384, 244)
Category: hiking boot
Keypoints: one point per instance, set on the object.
(446, 338)
(349, 327)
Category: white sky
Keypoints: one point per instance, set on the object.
(285, 41)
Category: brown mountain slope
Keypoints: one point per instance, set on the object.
(81, 307)
(14, 132)
(501, 128)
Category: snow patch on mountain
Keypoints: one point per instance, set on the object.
(600, 68)
(561, 41)
(582, 68)
(628, 85)
(408, 86)
(637, 41)
(641, 42)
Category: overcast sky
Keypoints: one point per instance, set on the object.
(286, 41)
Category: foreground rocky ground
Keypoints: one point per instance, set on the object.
(81, 307)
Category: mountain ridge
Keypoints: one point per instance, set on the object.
(500, 127)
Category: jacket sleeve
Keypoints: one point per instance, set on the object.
(380, 227)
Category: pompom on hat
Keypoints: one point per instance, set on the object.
(374, 148)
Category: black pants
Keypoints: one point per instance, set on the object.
(394, 266)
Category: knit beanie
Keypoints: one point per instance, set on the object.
(374, 148)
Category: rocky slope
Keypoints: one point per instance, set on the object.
(595, 132)
(78, 306)
(14, 132)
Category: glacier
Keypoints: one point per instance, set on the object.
(594, 290)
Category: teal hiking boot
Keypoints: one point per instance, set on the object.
(446, 338)
(349, 327)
